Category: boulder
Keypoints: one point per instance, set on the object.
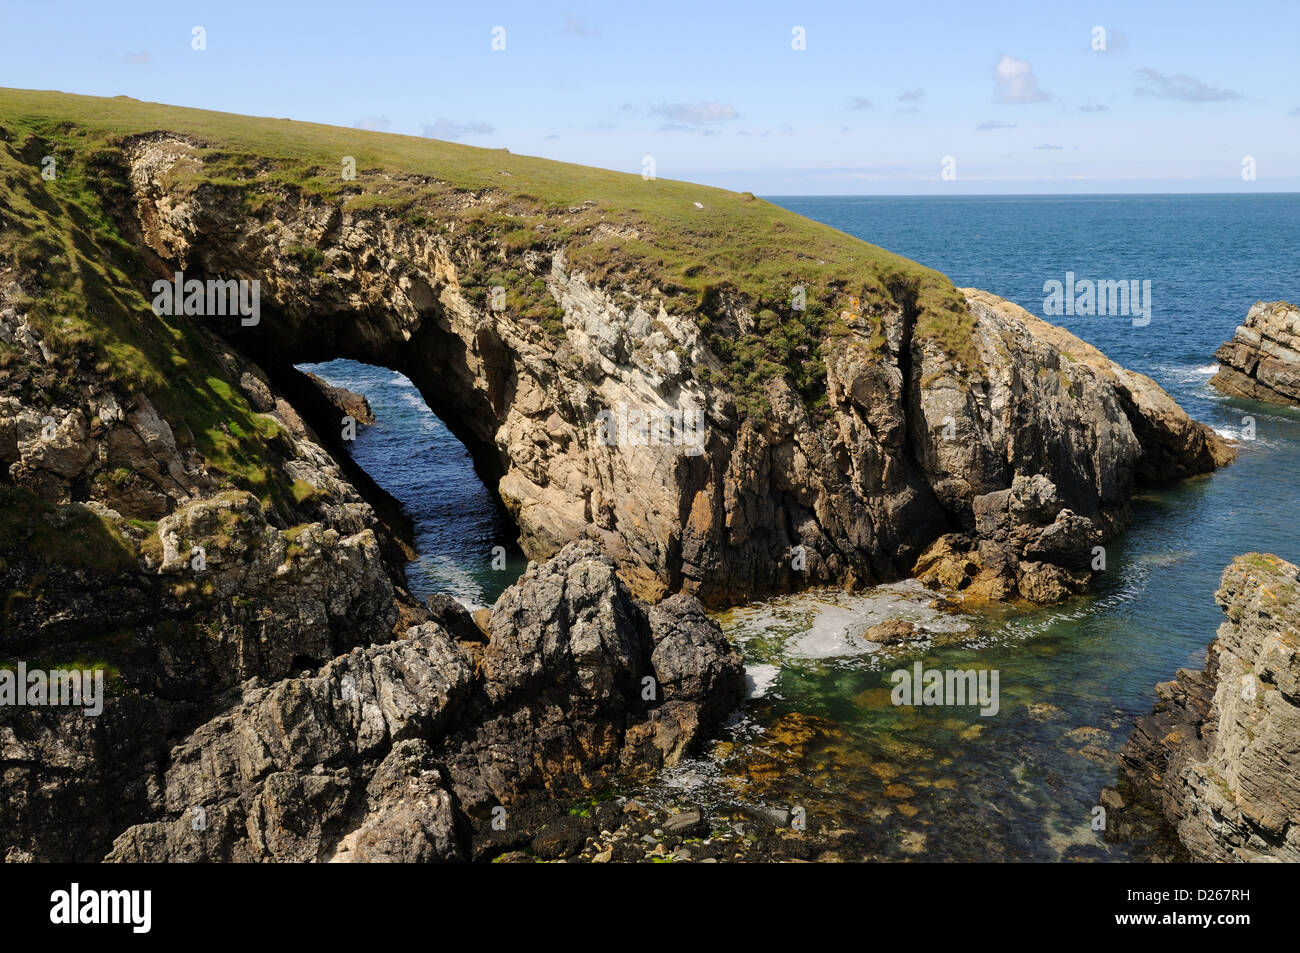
(1262, 361)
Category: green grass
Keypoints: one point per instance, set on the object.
(89, 302)
(69, 534)
(620, 229)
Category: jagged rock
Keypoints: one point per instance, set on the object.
(382, 754)
(455, 618)
(1025, 545)
(564, 683)
(329, 591)
(410, 817)
(1262, 361)
(1217, 763)
(692, 658)
(348, 402)
(912, 436)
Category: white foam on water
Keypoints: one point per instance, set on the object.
(690, 774)
(451, 579)
(759, 678)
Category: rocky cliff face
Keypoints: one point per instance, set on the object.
(1216, 766)
(400, 752)
(213, 552)
(1262, 361)
(917, 443)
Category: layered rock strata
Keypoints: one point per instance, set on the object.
(1214, 772)
(1262, 361)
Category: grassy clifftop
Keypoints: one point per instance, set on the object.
(688, 242)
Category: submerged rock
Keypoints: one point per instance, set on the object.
(892, 632)
(1217, 763)
(1262, 361)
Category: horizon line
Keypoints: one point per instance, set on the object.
(1004, 195)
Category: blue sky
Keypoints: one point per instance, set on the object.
(1014, 93)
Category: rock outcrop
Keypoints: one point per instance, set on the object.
(391, 753)
(742, 504)
(1216, 766)
(1262, 361)
(1034, 463)
(176, 507)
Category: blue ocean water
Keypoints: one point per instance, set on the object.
(1208, 258)
(937, 783)
(410, 453)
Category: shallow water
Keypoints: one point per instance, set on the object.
(944, 782)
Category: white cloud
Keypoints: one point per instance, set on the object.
(1015, 82)
(695, 113)
(995, 124)
(857, 102)
(1184, 87)
(577, 26)
(447, 129)
(373, 123)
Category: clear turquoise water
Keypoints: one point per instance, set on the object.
(941, 782)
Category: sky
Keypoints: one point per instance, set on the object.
(775, 98)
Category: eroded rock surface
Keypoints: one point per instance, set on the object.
(267, 664)
(744, 504)
(1216, 766)
(1262, 361)
(389, 753)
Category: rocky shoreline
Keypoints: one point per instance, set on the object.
(911, 446)
(277, 694)
(1213, 774)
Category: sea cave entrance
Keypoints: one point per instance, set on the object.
(465, 541)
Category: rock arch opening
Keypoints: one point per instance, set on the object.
(463, 540)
